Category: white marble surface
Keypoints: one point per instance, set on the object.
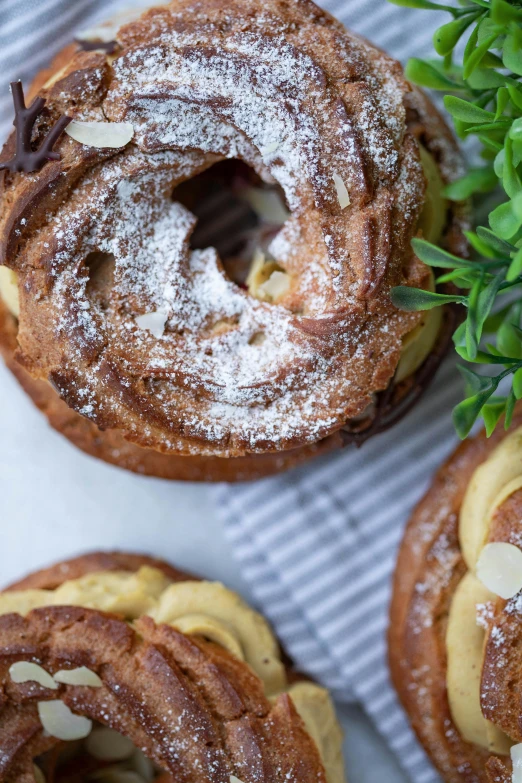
(56, 502)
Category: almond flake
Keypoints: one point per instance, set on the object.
(153, 322)
(233, 779)
(107, 31)
(59, 722)
(342, 192)
(516, 758)
(80, 676)
(103, 135)
(269, 149)
(499, 568)
(24, 671)
(277, 285)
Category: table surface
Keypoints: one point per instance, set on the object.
(56, 502)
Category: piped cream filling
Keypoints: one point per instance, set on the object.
(491, 485)
(207, 609)
(9, 290)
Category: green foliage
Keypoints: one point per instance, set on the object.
(484, 98)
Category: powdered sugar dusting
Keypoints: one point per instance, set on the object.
(168, 347)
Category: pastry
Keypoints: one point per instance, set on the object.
(282, 343)
(121, 669)
(454, 636)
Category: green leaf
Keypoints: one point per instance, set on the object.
(503, 13)
(475, 383)
(423, 4)
(468, 411)
(485, 78)
(516, 95)
(484, 97)
(515, 132)
(492, 413)
(496, 243)
(494, 321)
(510, 178)
(491, 60)
(517, 384)
(485, 357)
(502, 101)
(474, 60)
(504, 221)
(490, 144)
(466, 111)
(447, 37)
(512, 56)
(412, 299)
(434, 256)
(425, 75)
(508, 340)
(475, 181)
(515, 268)
(510, 408)
(462, 278)
(473, 327)
(478, 313)
(495, 129)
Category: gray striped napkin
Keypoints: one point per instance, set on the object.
(317, 545)
(318, 548)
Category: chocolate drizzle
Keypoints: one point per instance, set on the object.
(110, 47)
(25, 158)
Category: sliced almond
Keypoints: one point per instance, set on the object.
(24, 671)
(80, 676)
(107, 31)
(277, 285)
(105, 744)
(59, 722)
(499, 568)
(516, 758)
(269, 149)
(233, 779)
(103, 135)
(153, 322)
(342, 191)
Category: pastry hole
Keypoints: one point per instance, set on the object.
(100, 268)
(237, 213)
(105, 756)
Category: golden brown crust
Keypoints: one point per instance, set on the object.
(110, 445)
(196, 711)
(193, 708)
(52, 577)
(347, 343)
(429, 568)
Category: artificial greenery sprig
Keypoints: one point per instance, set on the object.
(484, 98)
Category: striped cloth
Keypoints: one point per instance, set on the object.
(317, 545)
(318, 548)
